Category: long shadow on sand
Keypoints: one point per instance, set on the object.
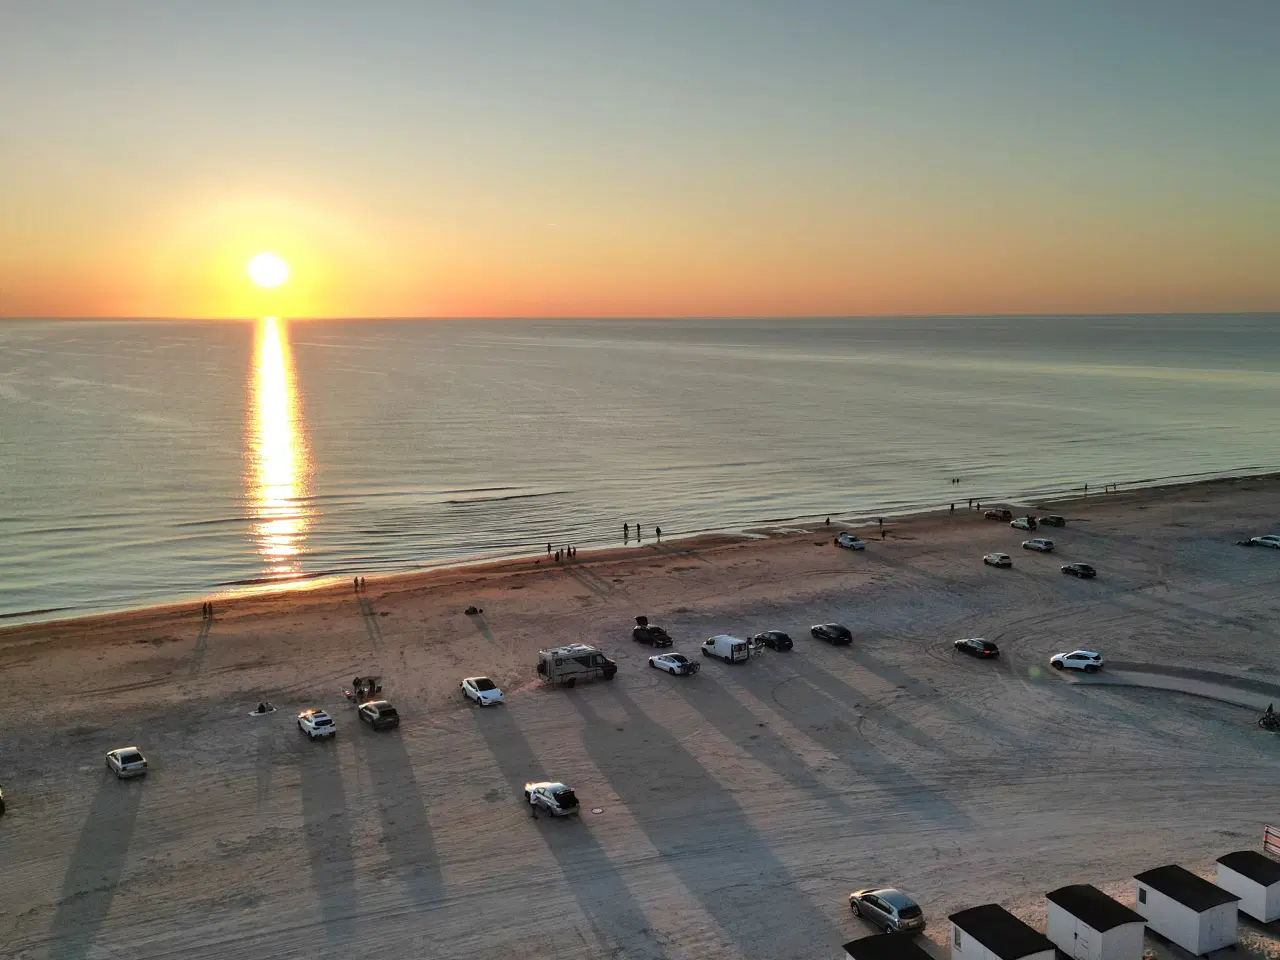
(371, 625)
(328, 836)
(406, 831)
(97, 863)
(731, 869)
(604, 898)
(910, 794)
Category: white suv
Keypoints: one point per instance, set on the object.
(1086, 660)
(316, 723)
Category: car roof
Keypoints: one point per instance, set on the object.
(379, 704)
(552, 785)
(893, 896)
(474, 679)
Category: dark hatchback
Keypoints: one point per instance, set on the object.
(977, 647)
(379, 714)
(1081, 570)
(833, 633)
(774, 640)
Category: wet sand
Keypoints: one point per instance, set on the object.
(738, 806)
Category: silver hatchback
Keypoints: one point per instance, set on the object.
(889, 909)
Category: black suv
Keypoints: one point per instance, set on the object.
(773, 639)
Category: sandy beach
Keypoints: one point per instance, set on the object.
(737, 807)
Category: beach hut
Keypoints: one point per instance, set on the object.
(1255, 879)
(886, 946)
(1189, 910)
(1086, 924)
(991, 932)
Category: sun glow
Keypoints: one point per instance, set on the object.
(278, 480)
(268, 270)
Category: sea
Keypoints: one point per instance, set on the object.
(155, 461)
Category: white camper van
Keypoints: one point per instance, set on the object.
(574, 662)
(727, 648)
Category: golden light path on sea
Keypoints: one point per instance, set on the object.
(279, 475)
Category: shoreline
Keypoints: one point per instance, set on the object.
(317, 590)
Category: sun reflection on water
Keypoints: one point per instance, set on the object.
(278, 479)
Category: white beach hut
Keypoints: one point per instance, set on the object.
(991, 932)
(1189, 910)
(1255, 879)
(1086, 924)
(886, 946)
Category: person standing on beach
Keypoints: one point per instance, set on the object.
(548, 549)
(363, 586)
(626, 531)
(880, 520)
(953, 510)
(882, 533)
(658, 532)
(355, 584)
(828, 521)
(971, 503)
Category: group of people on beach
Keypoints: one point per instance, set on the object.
(628, 529)
(564, 553)
(358, 584)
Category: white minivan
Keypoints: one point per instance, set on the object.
(727, 648)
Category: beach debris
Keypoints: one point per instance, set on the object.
(473, 611)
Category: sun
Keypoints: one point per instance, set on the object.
(268, 270)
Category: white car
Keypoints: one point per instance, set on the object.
(1023, 523)
(850, 542)
(127, 762)
(316, 724)
(998, 560)
(674, 663)
(1269, 540)
(555, 798)
(483, 691)
(1039, 543)
(1087, 660)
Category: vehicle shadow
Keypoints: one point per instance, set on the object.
(909, 794)
(616, 919)
(670, 801)
(406, 831)
(327, 830)
(96, 865)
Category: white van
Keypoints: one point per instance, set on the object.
(727, 648)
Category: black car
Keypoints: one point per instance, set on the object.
(833, 633)
(1054, 521)
(977, 647)
(1082, 570)
(773, 639)
(650, 633)
(379, 714)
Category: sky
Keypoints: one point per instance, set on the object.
(642, 158)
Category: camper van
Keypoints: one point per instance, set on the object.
(574, 662)
(727, 648)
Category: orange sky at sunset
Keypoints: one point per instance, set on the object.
(638, 164)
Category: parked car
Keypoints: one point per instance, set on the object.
(127, 762)
(726, 648)
(674, 663)
(889, 909)
(379, 714)
(977, 647)
(555, 798)
(1039, 544)
(998, 514)
(316, 724)
(1087, 660)
(998, 560)
(482, 691)
(1267, 540)
(1023, 523)
(833, 633)
(850, 542)
(1081, 570)
(774, 640)
(1054, 521)
(650, 633)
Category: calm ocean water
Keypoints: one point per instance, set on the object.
(151, 461)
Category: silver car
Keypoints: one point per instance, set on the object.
(889, 909)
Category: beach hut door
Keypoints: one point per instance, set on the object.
(1082, 942)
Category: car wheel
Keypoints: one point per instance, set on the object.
(1057, 664)
(652, 664)
(672, 671)
(571, 682)
(1091, 669)
(854, 905)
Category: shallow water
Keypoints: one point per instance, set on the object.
(150, 461)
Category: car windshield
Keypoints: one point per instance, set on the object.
(387, 711)
(322, 721)
(565, 798)
(133, 757)
(909, 913)
(678, 658)
(484, 683)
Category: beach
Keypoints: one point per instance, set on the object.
(736, 808)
